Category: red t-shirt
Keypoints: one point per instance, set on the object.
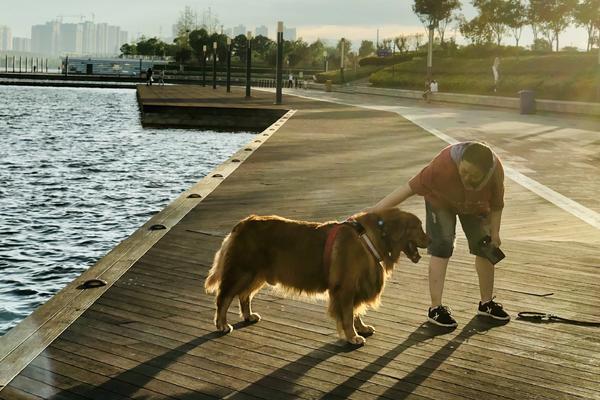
(440, 184)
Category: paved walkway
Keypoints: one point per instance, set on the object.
(560, 152)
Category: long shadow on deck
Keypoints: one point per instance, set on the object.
(298, 368)
(406, 385)
(120, 386)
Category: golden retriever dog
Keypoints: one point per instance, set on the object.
(275, 250)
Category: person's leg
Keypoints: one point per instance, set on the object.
(485, 273)
(440, 226)
(437, 276)
(476, 228)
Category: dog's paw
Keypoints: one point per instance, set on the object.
(225, 328)
(357, 340)
(366, 330)
(254, 317)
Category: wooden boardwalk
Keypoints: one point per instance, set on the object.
(150, 334)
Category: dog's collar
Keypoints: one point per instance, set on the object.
(362, 234)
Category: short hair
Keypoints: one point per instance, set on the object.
(479, 155)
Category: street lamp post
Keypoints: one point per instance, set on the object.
(214, 65)
(279, 68)
(248, 63)
(228, 65)
(204, 65)
(342, 57)
(430, 52)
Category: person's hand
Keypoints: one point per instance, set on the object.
(495, 239)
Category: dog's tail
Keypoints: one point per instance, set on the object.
(215, 275)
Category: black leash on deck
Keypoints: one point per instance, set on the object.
(539, 317)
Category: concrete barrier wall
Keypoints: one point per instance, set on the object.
(570, 107)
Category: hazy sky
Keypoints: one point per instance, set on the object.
(330, 19)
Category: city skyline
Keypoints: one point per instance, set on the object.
(359, 20)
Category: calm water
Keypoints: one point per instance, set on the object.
(78, 174)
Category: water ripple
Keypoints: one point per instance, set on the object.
(79, 174)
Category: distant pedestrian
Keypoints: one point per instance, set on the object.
(496, 72)
(149, 77)
(161, 77)
(434, 86)
(291, 80)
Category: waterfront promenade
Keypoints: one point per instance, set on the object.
(150, 334)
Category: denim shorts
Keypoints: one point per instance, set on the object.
(441, 228)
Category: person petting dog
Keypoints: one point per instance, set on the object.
(465, 180)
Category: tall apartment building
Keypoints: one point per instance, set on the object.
(21, 44)
(87, 38)
(6, 39)
(262, 31)
(45, 38)
(71, 39)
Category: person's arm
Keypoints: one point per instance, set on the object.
(495, 219)
(394, 198)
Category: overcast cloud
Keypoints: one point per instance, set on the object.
(329, 19)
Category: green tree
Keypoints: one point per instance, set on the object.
(516, 18)
(477, 30)
(557, 15)
(316, 50)
(128, 49)
(431, 12)
(366, 48)
(297, 52)
(183, 54)
(495, 13)
(541, 45)
(262, 45)
(534, 10)
(150, 47)
(587, 14)
(238, 47)
(401, 43)
(198, 38)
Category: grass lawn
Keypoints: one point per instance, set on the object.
(561, 76)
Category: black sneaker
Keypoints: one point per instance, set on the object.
(442, 316)
(494, 310)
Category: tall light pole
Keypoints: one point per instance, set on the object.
(342, 63)
(279, 67)
(228, 65)
(430, 51)
(214, 65)
(203, 65)
(248, 63)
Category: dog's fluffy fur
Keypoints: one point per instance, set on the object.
(275, 250)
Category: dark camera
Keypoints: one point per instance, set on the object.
(489, 251)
